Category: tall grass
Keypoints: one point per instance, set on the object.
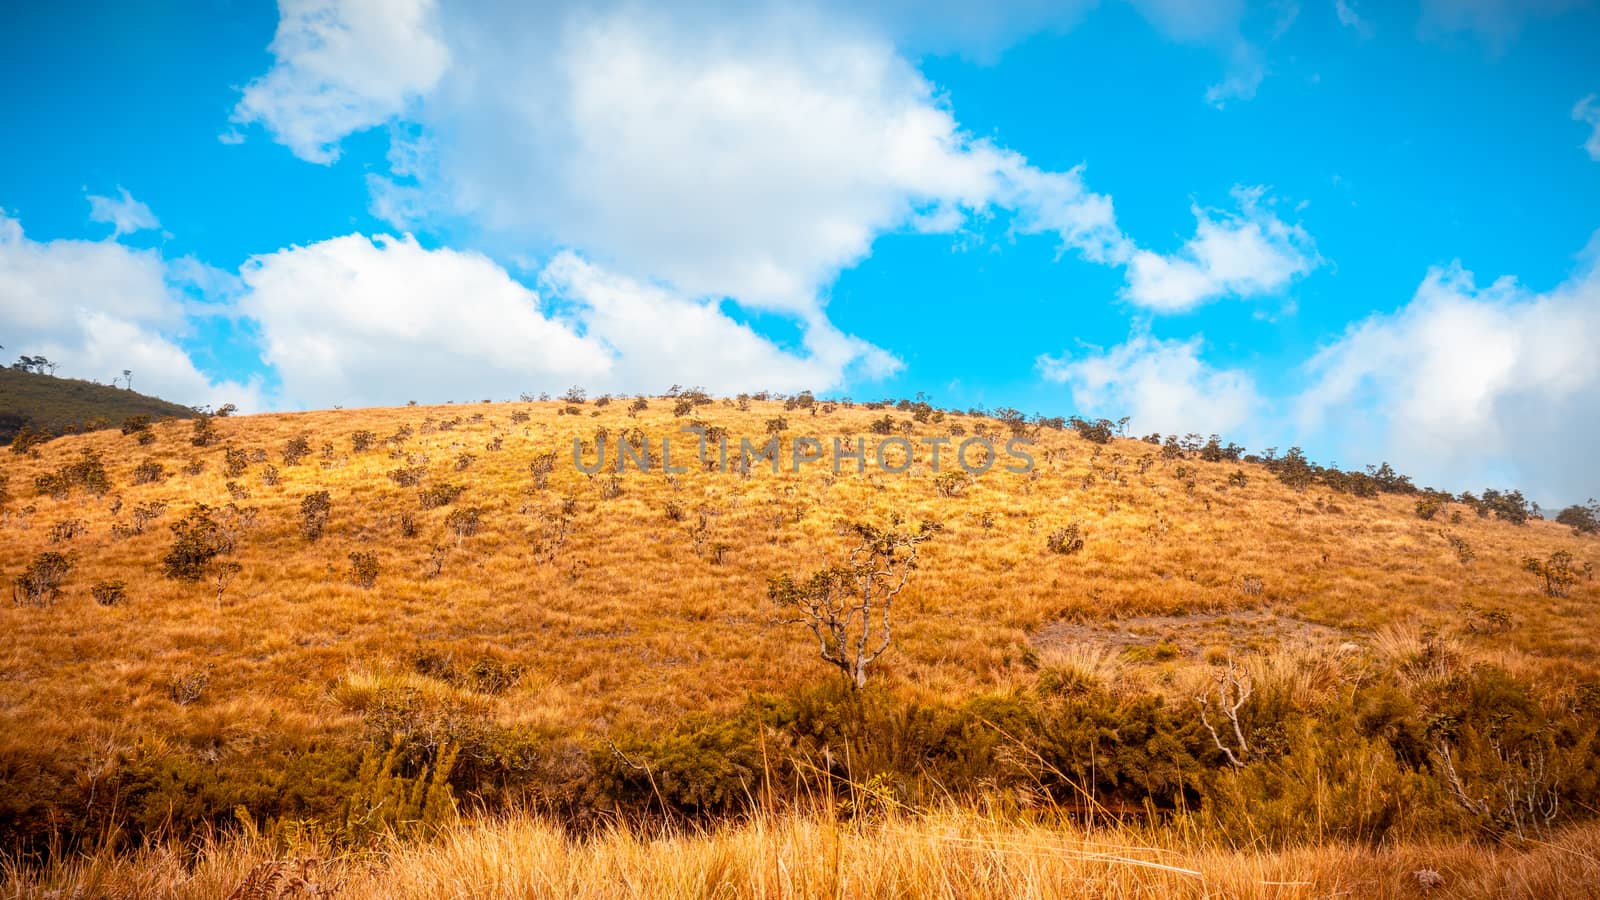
(955, 854)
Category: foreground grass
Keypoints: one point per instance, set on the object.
(954, 854)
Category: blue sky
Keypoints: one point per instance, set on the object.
(1361, 228)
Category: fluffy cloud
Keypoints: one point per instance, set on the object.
(124, 214)
(1467, 387)
(752, 157)
(358, 320)
(660, 337)
(1587, 111)
(340, 68)
(97, 307)
(1160, 385)
(1244, 254)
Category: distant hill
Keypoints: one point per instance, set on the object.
(56, 405)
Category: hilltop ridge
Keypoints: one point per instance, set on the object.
(52, 406)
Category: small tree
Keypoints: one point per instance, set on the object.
(1232, 689)
(1559, 572)
(849, 607)
(222, 575)
(1581, 519)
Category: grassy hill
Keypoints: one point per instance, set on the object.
(1209, 658)
(54, 405)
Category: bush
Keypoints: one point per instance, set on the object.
(149, 472)
(463, 522)
(441, 494)
(198, 539)
(408, 476)
(205, 433)
(1065, 541)
(109, 593)
(1559, 571)
(188, 686)
(87, 472)
(1428, 506)
(296, 449)
(234, 462)
(362, 441)
(40, 583)
(951, 484)
(314, 510)
(1581, 519)
(1098, 431)
(364, 568)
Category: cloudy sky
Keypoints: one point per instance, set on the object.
(1367, 229)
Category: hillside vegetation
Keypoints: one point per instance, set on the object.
(326, 631)
(51, 406)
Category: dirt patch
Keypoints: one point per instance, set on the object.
(1165, 637)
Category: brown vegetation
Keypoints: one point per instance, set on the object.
(515, 634)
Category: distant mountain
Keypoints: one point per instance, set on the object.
(57, 405)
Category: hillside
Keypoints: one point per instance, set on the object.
(468, 616)
(54, 405)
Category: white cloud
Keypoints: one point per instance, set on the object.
(1218, 25)
(373, 321)
(1495, 22)
(97, 307)
(124, 214)
(752, 157)
(659, 337)
(1349, 17)
(1244, 254)
(1160, 385)
(358, 321)
(1242, 81)
(1587, 111)
(1467, 387)
(340, 68)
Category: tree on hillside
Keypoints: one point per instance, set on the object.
(849, 607)
(35, 364)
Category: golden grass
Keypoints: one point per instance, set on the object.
(631, 622)
(948, 854)
(626, 622)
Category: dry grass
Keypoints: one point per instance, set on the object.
(950, 854)
(620, 615)
(626, 622)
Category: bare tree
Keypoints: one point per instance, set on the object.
(849, 607)
(1232, 688)
(222, 575)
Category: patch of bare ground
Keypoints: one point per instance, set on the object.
(1258, 630)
